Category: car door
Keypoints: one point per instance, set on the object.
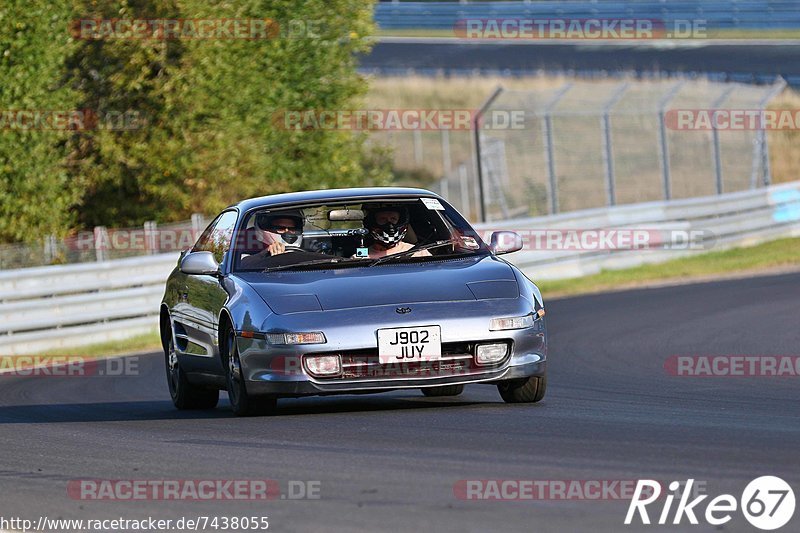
(204, 295)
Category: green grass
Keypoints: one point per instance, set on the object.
(140, 343)
(773, 254)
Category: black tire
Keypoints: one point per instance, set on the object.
(185, 396)
(529, 390)
(242, 403)
(443, 390)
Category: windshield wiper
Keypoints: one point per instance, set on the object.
(312, 262)
(411, 251)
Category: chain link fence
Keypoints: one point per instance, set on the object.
(584, 144)
(102, 244)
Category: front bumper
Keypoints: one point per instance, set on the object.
(282, 373)
(353, 334)
(303, 385)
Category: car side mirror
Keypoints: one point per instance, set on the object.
(505, 242)
(199, 263)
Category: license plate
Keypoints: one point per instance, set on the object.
(398, 345)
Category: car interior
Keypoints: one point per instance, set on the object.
(339, 231)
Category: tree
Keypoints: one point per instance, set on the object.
(36, 192)
(205, 135)
(210, 138)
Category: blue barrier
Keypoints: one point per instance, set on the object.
(716, 14)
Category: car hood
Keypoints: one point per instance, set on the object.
(468, 279)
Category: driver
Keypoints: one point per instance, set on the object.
(388, 226)
(281, 231)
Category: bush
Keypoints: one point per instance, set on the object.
(208, 136)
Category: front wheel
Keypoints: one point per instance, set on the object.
(242, 403)
(526, 390)
(184, 394)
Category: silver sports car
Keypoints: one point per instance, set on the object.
(348, 291)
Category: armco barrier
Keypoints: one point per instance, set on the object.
(52, 307)
(45, 308)
(736, 219)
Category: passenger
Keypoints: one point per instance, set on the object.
(388, 227)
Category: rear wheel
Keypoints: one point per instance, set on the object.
(242, 403)
(444, 390)
(527, 390)
(184, 394)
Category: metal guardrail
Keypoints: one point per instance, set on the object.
(737, 219)
(46, 308)
(718, 14)
(65, 306)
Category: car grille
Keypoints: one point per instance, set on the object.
(457, 359)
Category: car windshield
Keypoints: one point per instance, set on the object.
(347, 234)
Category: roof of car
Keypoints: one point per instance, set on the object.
(367, 193)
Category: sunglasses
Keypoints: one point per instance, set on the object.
(279, 229)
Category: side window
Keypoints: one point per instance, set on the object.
(217, 237)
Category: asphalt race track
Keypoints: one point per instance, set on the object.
(390, 462)
(740, 61)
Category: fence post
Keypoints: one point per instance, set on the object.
(758, 159)
(765, 160)
(662, 137)
(464, 179)
(50, 247)
(150, 244)
(476, 127)
(763, 145)
(447, 162)
(418, 155)
(608, 153)
(547, 135)
(715, 133)
(100, 243)
(198, 225)
(444, 188)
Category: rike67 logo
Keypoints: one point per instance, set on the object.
(767, 503)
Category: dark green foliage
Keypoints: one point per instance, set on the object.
(206, 134)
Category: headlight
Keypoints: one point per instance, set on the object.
(515, 322)
(296, 338)
(323, 365)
